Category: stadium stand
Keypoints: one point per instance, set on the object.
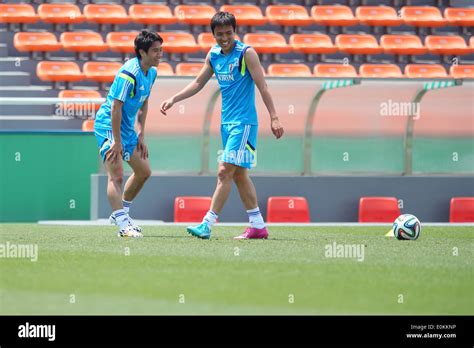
(287, 209)
(461, 209)
(378, 209)
(190, 209)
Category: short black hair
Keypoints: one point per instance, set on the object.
(223, 18)
(144, 40)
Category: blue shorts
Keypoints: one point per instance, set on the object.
(105, 138)
(240, 143)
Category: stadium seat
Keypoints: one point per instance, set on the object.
(59, 72)
(179, 42)
(194, 14)
(334, 70)
(447, 45)
(60, 13)
(471, 43)
(206, 41)
(380, 70)
(463, 17)
(188, 69)
(422, 16)
(357, 44)
(462, 71)
(337, 15)
(106, 14)
(81, 93)
(151, 14)
(312, 44)
(378, 16)
(191, 208)
(250, 15)
(88, 125)
(165, 69)
(378, 209)
(288, 15)
(287, 209)
(36, 42)
(102, 72)
(425, 71)
(122, 42)
(461, 209)
(17, 14)
(289, 70)
(267, 43)
(402, 45)
(83, 41)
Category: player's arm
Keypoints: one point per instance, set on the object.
(191, 89)
(255, 69)
(141, 146)
(115, 150)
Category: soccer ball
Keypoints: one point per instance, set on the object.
(406, 227)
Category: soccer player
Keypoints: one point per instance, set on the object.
(237, 68)
(115, 129)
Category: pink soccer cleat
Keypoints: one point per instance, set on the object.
(254, 233)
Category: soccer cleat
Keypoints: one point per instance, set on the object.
(254, 233)
(132, 223)
(201, 231)
(129, 232)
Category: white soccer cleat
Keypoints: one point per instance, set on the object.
(132, 223)
(129, 232)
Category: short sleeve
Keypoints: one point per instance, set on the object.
(124, 86)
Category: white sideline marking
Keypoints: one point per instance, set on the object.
(105, 222)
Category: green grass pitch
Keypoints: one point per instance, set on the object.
(88, 270)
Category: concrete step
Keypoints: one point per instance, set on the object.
(3, 50)
(18, 64)
(28, 91)
(15, 78)
(42, 123)
(36, 110)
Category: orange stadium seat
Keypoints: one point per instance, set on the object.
(106, 14)
(357, 44)
(334, 70)
(425, 71)
(188, 69)
(102, 72)
(422, 16)
(194, 14)
(337, 15)
(122, 42)
(461, 209)
(82, 93)
(151, 14)
(165, 69)
(36, 41)
(206, 41)
(380, 70)
(250, 15)
(60, 13)
(463, 17)
(312, 44)
(191, 208)
(289, 70)
(447, 45)
(288, 15)
(179, 42)
(471, 43)
(402, 44)
(83, 41)
(462, 71)
(383, 16)
(288, 209)
(17, 13)
(267, 43)
(378, 209)
(59, 71)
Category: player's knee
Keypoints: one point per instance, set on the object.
(239, 176)
(225, 174)
(117, 179)
(144, 174)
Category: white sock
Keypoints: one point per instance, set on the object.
(126, 205)
(210, 218)
(121, 217)
(255, 218)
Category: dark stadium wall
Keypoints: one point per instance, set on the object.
(330, 198)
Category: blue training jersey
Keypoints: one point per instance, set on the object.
(236, 84)
(132, 87)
